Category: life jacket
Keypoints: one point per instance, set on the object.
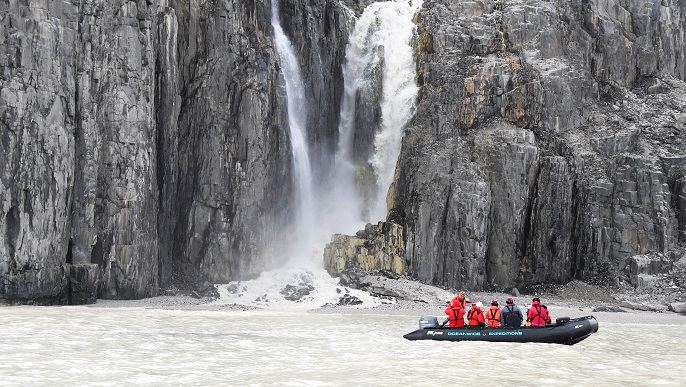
(460, 301)
(455, 315)
(476, 317)
(493, 316)
(510, 317)
(537, 315)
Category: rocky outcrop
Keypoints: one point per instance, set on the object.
(556, 124)
(143, 142)
(377, 247)
(37, 162)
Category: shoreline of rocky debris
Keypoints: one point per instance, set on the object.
(404, 296)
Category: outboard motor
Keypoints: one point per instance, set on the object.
(428, 322)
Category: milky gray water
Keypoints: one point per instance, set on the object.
(136, 346)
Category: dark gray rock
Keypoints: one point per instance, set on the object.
(147, 138)
(608, 308)
(84, 280)
(296, 292)
(543, 123)
(348, 299)
(678, 307)
(643, 307)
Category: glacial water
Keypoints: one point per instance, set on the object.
(86, 346)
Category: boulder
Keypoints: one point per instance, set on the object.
(296, 292)
(608, 308)
(347, 299)
(377, 247)
(643, 307)
(644, 281)
(678, 307)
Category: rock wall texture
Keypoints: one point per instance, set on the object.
(142, 141)
(377, 247)
(549, 141)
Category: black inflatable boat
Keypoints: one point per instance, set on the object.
(564, 331)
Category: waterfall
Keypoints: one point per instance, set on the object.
(380, 46)
(297, 124)
(380, 62)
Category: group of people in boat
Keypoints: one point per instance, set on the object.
(508, 316)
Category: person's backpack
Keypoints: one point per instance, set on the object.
(511, 317)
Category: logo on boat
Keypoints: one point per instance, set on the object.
(434, 333)
(514, 333)
(464, 333)
(578, 326)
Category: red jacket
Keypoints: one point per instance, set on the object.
(455, 315)
(493, 316)
(476, 317)
(537, 315)
(459, 299)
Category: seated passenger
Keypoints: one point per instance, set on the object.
(548, 319)
(493, 315)
(461, 299)
(537, 315)
(511, 315)
(475, 316)
(455, 314)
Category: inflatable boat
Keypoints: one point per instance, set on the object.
(563, 331)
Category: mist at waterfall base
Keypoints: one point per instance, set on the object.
(381, 40)
(85, 346)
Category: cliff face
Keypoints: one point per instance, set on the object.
(142, 141)
(549, 141)
(79, 187)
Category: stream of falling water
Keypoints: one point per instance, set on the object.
(297, 124)
(380, 54)
(380, 47)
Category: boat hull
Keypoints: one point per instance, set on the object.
(570, 332)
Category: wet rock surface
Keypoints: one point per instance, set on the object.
(146, 138)
(546, 146)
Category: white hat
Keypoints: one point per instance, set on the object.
(479, 304)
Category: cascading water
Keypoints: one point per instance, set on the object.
(297, 124)
(380, 47)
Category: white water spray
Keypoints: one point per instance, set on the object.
(382, 37)
(297, 124)
(382, 34)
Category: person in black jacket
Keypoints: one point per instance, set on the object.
(511, 315)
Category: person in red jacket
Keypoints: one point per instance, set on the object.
(461, 299)
(548, 319)
(455, 314)
(493, 315)
(475, 316)
(537, 314)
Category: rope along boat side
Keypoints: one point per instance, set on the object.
(564, 331)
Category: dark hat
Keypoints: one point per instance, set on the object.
(494, 302)
(509, 301)
(537, 299)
